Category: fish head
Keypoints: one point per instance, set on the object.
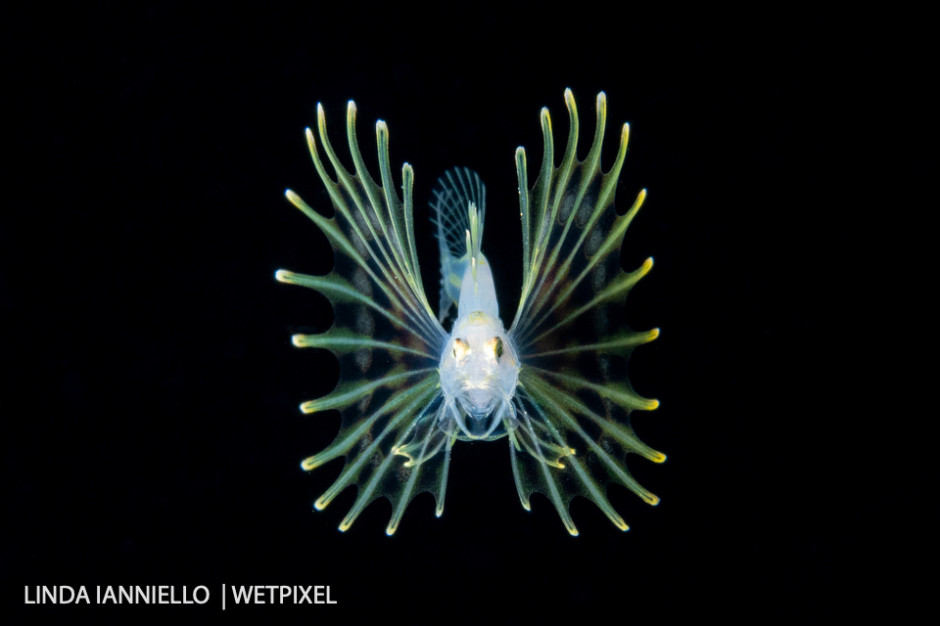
(479, 373)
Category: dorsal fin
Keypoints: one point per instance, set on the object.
(454, 192)
(474, 238)
(477, 291)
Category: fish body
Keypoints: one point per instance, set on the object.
(553, 384)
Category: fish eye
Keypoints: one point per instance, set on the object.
(495, 347)
(461, 348)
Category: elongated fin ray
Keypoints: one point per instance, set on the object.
(342, 341)
(385, 335)
(574, 398)
(554, 419)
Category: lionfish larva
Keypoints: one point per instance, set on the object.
(554, 385)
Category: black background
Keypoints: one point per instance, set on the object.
(151, 427)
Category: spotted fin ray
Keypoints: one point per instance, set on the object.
(385, 335)
(574, 399)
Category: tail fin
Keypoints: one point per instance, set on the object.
(453, 193)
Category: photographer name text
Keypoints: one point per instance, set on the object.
(177, 594)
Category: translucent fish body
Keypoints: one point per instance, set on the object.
(554, 384)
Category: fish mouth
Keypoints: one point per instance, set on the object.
(478, 403)
(480, 414)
